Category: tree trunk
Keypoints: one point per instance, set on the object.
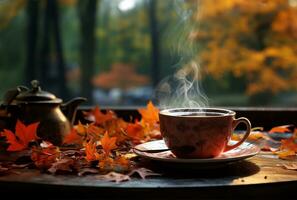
(32, 37)
(87, 15)
(61, 79)
(51, 62)
(43, 63)
(154, 41)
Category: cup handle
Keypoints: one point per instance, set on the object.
(247, 132)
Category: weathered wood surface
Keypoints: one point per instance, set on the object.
(259, 177)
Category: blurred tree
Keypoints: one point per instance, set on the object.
(87, 16)
(254, 41)
(12, 43)
(32, 38)
(115, 79)
(155, 49)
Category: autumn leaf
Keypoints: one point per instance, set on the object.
(253, 136)
(45, 155)
(280, 129)
(108, 143)
(143, 172)
(87, 170)
(106, 164)
(290, 166)
(150, 114)
(286, 154)
(99, 117)
(22, 137)
(114, 177)
(64, 165)
(73, 138)
(80, 128)
(91, 152)
(289, 144)
(135, 131)
(3, 170)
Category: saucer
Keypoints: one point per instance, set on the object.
(245, 150)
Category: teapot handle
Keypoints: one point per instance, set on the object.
(70, 107)
(10, 95)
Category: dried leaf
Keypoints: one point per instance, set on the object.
(114, 177)
(286, 155)
(73, 138)
(3, 170)
(150, 114)
(135, 131)
(99, 117)
(91, 151)
(20, 166)
(63, 165)
(88, 170)
(80, 128)
(45, 155)
(108, 143)
(280, 129)
(22, 137)
(290, 166)
(143, 172)
(290, 143)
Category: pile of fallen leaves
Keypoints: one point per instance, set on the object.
(102, 146)
(280, 140)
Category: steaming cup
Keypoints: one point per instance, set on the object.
(200, 133)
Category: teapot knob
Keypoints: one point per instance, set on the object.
(35, 85)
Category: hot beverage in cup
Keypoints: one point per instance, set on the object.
(200, 133)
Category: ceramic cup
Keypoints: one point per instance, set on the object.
(200, 133)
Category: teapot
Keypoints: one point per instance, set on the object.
(35, 105)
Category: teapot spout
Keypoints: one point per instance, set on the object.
(70, 108)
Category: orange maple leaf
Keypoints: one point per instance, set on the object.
(108, 143)
(289, 144)
(280, 129)
(22, 137)
(99, 117)
(91, 151)
(150, 114)
(135, 131)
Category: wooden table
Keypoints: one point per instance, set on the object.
(259, 177)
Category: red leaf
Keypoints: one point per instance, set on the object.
(73, 138)
(23, 136)
(26, 133)
(15, 145)
(45, 155)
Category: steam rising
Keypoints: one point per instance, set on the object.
(183, 90)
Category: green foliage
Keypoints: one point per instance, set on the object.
(12, 53)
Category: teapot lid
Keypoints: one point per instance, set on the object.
(36, 95)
